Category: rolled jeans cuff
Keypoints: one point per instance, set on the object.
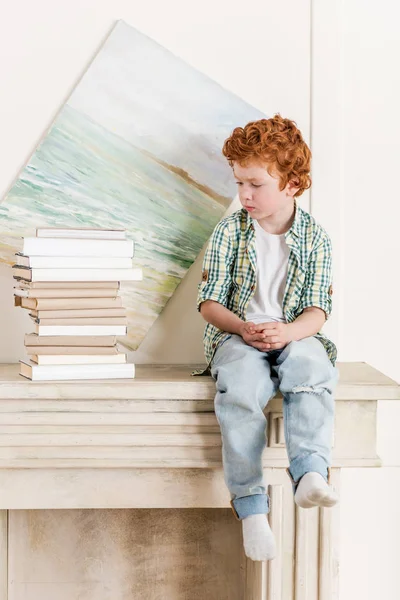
(306, 464)
(250, 505)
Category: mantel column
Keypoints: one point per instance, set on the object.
(4, 554)
(307, 563)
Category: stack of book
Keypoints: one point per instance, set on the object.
(69, 279)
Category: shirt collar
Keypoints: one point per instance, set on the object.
(294, 231)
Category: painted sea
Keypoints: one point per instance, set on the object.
(161, 177)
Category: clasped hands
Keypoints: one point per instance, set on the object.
(266, 336)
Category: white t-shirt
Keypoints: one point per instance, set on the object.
(272, 264)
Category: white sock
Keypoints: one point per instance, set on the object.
(313, 490)
(258, 539)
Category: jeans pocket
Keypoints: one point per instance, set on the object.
(228, 337)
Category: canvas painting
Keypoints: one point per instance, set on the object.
(136, 146)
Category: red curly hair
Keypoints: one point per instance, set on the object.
(276, 143)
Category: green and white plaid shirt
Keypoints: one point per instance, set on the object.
(229, 272)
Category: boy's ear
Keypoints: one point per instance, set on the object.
(292, 187)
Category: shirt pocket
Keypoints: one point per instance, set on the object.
(237, 286)
(298, 283)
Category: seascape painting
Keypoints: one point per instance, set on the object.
(136, 146)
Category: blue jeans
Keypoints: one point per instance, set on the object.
(246, 379)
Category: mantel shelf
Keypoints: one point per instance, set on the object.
(70, 444)
(358, 381)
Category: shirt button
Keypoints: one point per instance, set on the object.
(214, 345)
(253, 287)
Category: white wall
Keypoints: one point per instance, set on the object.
(370, 155)
(355, 131)
(260, 50)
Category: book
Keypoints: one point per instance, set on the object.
(102, 321)
(81, 232)
(55, 304)
(32, 339)
(102, 313)
(77, 274)
(55, 285)
(71, 350)
(70, 372)
(66, 293)
(41, 246)
(54, 330)
(72, 262)
(78, 359)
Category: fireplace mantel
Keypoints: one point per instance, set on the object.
(154, 443)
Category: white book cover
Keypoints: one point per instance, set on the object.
(78, 359)
(46, 330)
(73, 262)
(36, 246)
(66, 341)
(65, 293)
(78, 274)
(79, 304)
(70, 372)
(70, 350)
(76, 313)
(81, 321)
(82, 285)
(81, 233)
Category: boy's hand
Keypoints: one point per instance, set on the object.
(254, 335)
(251, 336)
(267, 336)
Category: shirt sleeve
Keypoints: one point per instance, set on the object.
(216, 283)
(317, 288)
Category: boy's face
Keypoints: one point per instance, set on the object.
(259, 191)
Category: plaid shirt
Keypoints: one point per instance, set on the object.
(229, 272)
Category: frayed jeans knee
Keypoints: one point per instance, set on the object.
(246, 379)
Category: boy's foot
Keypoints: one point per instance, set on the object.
(313, 490)
(258, 539)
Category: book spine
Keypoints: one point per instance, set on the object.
(34, 246)
(66, 293)
(54, 330)
(101, 321)
(109, 341)
(83, 313)
(72, 275)
(72, 262)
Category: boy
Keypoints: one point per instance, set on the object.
(265, 293)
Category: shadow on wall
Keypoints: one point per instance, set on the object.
(14, 322)
(177, 335)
